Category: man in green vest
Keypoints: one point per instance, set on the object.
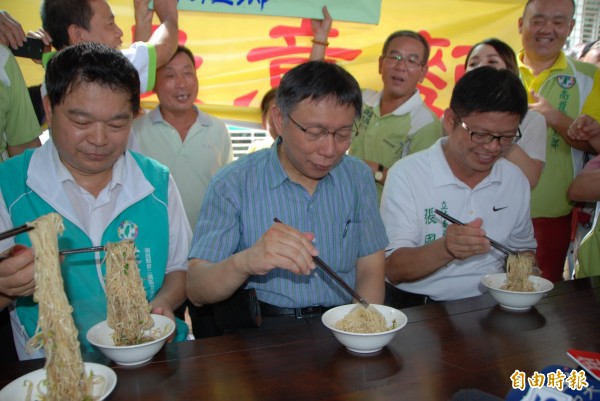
(561, 89)
(103, 192)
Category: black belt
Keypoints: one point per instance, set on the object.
(400, 299)
(299, 313)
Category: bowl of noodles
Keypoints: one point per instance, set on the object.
(101, 336)
(520, 299)
(364, 330)
(517, 289)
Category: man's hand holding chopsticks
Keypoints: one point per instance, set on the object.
(16, 274)
(282, 246)
(465, 241)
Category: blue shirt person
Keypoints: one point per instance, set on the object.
(325, 199)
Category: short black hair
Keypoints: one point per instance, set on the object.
(268, 97)
(58, 15)
(91, 63)
(487, 89)
(317, 80)
(186, 51)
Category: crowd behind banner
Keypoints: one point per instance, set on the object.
(240, 57)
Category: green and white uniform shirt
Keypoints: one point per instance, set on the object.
(570, 86)
(386, 139)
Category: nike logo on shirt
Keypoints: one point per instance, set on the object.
(495, 209)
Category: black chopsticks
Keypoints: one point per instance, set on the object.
(504, 249)
(24, 228)
(340, 280)
(99, 248)
(319, 262)
(15, 231)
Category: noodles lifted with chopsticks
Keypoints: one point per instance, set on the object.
(518, 270)
(128, 310)
(55, 331)
(363, 320)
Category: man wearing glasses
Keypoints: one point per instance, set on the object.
(326, 202)
(395, 122)
(465, 176)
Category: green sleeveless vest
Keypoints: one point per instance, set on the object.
(145, 221)
(566, 89)
(588, 254)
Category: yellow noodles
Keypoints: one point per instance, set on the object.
(55, 331)
(128, 310)
(518, 270)
(363, 320)
(91, 381)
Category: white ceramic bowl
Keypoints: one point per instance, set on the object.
(515, 300)
(17, 390)
(100, 336)
(364, 342)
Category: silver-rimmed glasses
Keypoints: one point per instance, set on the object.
(412, 61)
(342, 135)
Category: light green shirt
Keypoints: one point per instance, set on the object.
(18, 122)
(193, 162)
(386, 139)
(567, 85)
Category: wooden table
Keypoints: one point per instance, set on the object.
(445, 347)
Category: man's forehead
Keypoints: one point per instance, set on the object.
(101, 8)
(489, 119)
(550, 8)
(178, 61)
(81, 99)
(402, 42)
(311, 106)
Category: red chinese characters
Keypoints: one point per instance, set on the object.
(433, 82)
(283, 58)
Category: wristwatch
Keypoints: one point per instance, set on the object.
(379, 173)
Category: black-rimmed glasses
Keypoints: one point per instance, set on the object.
(342, 135)
(484, 138)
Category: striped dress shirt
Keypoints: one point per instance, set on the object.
(245, 196)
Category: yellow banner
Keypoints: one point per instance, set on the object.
(239, 57)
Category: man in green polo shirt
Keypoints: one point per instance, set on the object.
(561, 89)
(395, 121)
